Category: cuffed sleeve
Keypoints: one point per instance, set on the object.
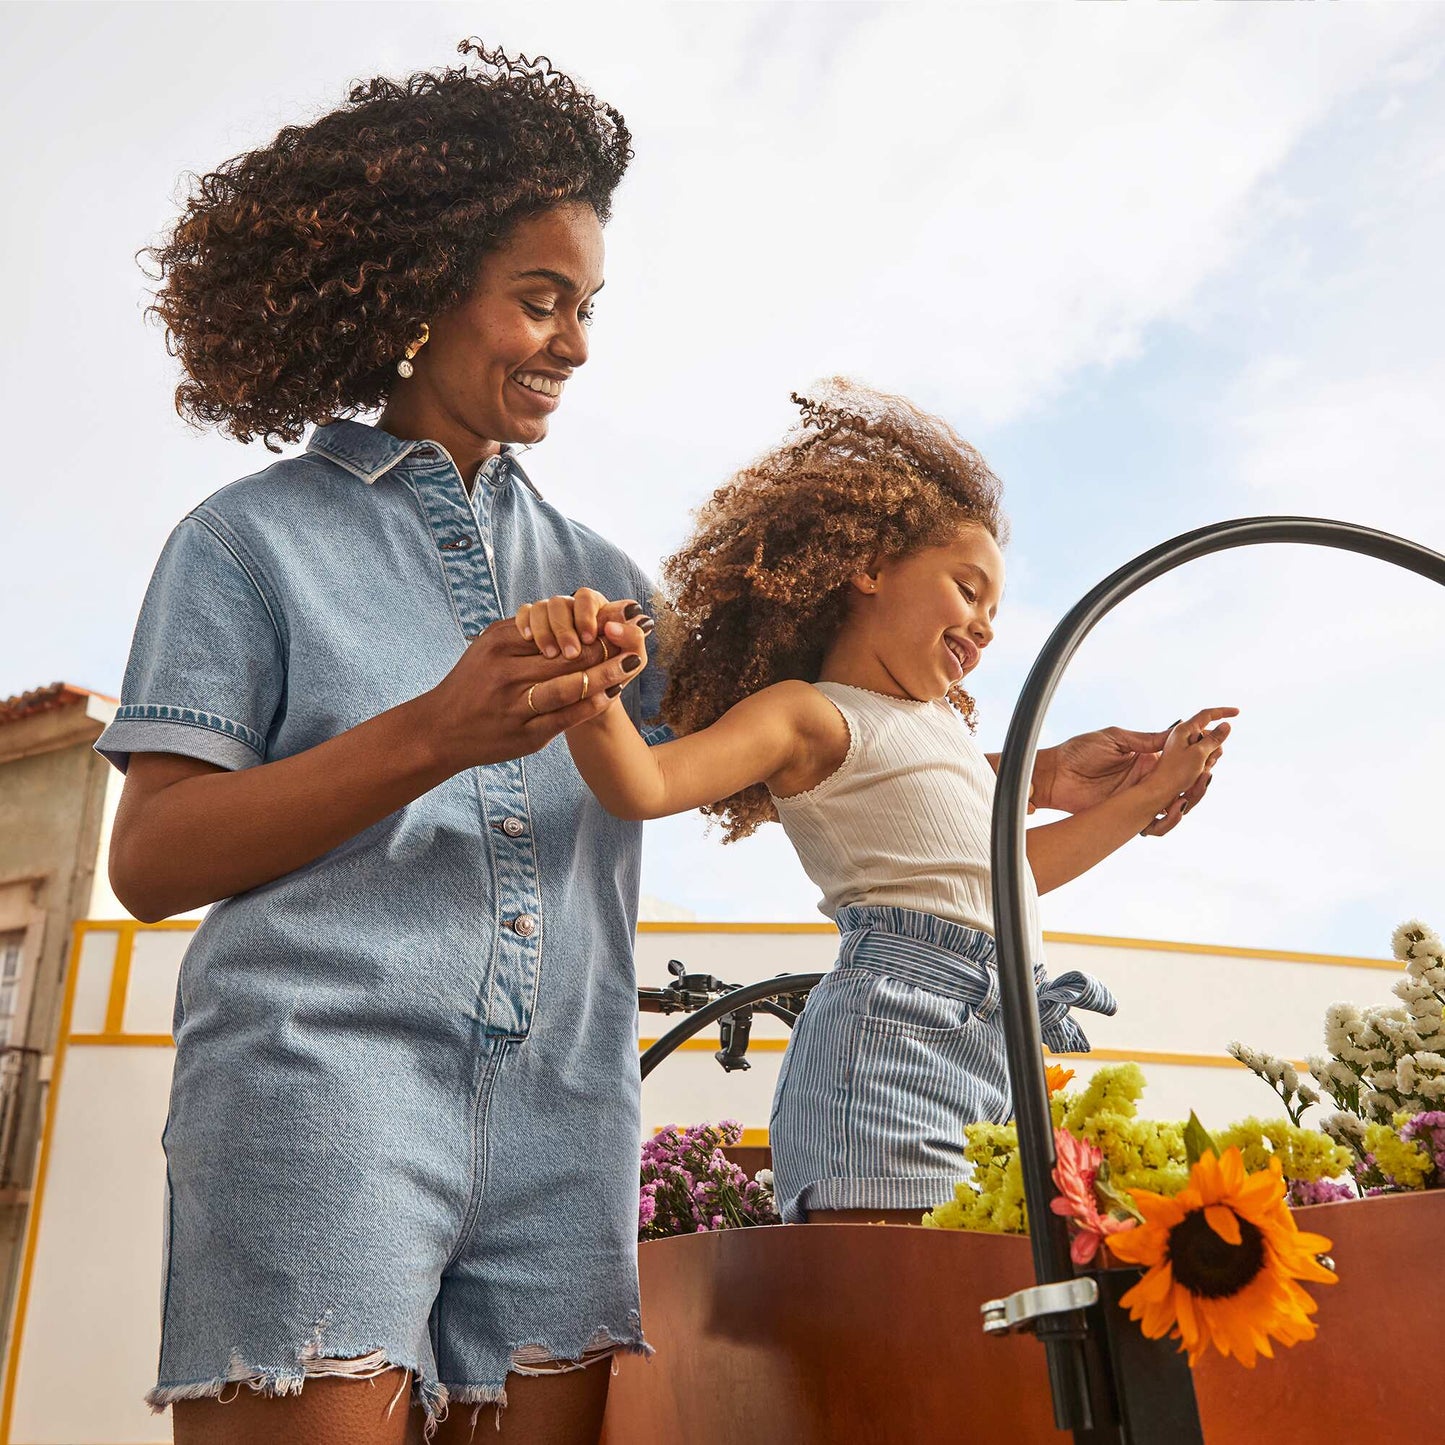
(206, 672)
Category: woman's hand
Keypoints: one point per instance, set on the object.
(1086, 770)
(505, 698)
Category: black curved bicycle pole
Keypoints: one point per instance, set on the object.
(1065, 1336)
(720, 1007)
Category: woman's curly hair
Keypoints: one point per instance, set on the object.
(760, 590)
(298, 273)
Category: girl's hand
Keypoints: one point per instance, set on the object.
(1185, 766)
(563, 626)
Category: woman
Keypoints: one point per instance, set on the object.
(402, 1146)
(403, 1131)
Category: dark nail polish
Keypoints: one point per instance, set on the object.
(645, 625)
(614, 690)
(1174, 725)
(632, 610)
(631, 662)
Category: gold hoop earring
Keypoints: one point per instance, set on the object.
(404, 368)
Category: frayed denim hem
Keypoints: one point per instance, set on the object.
(539, 1359)
(310, 1365)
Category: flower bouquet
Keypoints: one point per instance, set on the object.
(1385, 1072)
(1207, 1219)
(689, 1186)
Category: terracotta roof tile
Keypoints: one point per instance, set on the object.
(43, 699)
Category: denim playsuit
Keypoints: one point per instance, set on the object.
(404, 1121)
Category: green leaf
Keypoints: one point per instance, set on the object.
(1197, 1140)
(1114, 1199)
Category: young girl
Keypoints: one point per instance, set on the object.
(833, 600)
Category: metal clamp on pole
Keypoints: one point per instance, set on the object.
(1022, 1309)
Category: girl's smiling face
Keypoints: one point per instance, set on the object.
(928, 616)
(496, 366)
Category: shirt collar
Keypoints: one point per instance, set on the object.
(369, 453)
(365, 451)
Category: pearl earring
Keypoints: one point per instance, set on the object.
(404, 368)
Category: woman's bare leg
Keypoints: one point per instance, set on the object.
(553, 1409)
(326, 1412)
(866, 1216)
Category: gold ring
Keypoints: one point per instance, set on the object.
(605, 653)
(586, 683)
(531, 706)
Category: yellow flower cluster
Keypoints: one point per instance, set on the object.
(1404, 1162)
(1305, 1155)
(1116, 1089)
(1138, 1153)
(993, 1200)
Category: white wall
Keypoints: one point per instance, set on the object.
(84, 1348)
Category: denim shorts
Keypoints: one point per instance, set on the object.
(899, 1048)
(379, 1190)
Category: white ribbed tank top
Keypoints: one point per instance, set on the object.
(903, 821)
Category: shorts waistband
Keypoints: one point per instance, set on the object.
(961, 962)
(920, 948)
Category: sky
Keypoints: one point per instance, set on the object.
(1163, 265)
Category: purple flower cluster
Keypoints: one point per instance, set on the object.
(689, 1186)
(1319, 1191)
(1428, 1130)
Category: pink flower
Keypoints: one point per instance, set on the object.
(1075, 1171)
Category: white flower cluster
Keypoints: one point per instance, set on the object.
(1280, 1075)
(1384, 1061)
(1346, 1129)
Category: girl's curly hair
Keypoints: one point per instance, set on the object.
(760, 590)
(298, 273)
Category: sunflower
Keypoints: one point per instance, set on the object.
(1223, 1258)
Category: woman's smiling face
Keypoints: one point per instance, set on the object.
(495, 367)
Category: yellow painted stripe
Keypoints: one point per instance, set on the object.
(752, 1138)
(1163, 1056)
(702, 1045)
(114, 925)
(32, 1229)
(709, 1046)
(1099, 1056)
(1221, 950)
(659, 926)
(119, 981)
(129, 1041)
(1090, 940)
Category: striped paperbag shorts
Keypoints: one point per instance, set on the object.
(899, 1047)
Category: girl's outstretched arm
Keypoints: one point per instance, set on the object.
(788, 736)
(1060, 852)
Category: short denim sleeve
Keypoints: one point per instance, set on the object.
(206, 672)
